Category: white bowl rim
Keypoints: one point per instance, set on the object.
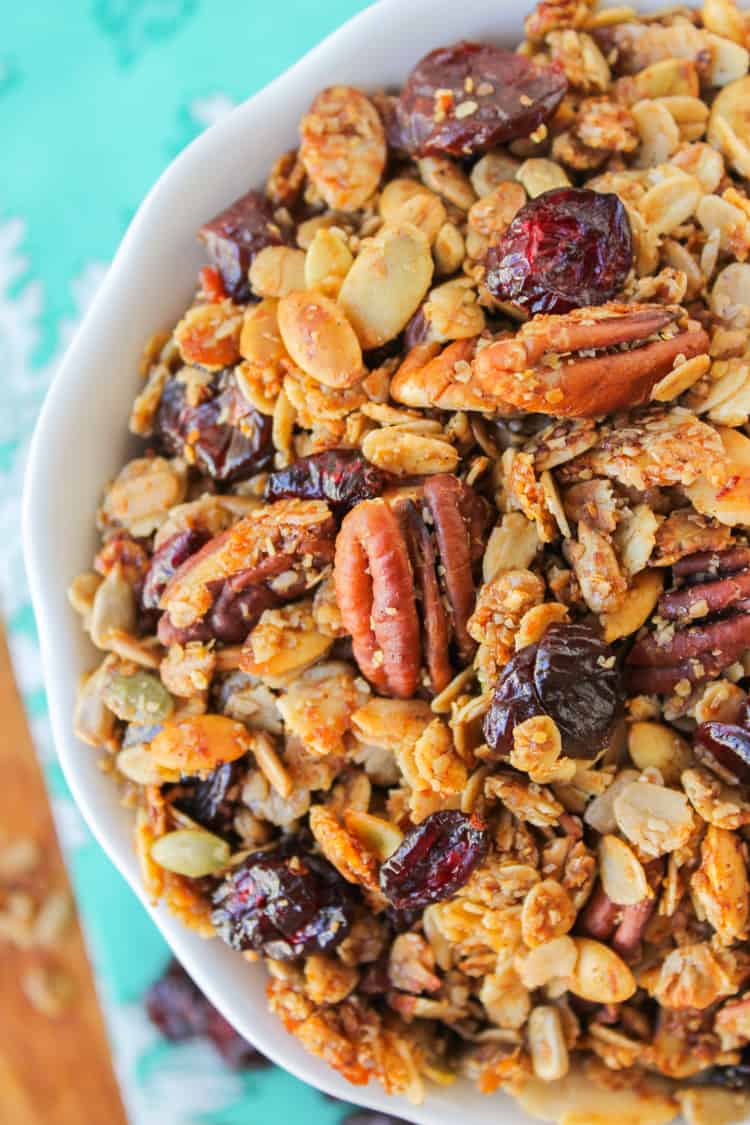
(439, 1106)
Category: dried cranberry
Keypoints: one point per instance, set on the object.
(568, 248)
(178, 1008)
(341, 476)
(504, 95)
(235, 612)
(434, 860)
(205, 800)
(569, 675)
(234, 236)
(228, 441)
(514, 701)
(164, 562)
(286, 903)
(728, 745)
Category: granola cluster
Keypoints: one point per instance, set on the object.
(425, 609)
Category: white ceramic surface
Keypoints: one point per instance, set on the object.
(81, 441)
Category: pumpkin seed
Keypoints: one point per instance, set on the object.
(138, 698)
(191, 851)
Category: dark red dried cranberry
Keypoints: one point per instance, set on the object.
(205, 800)
(727, 744)
(178, 1008)
(234, 236)
(434, 860)
(514, 701)
(513, 96)
(569, 675)
(566, 249)
(236, 611)
(285, 903)
(228, 441)
(164, 562)
(341, 476)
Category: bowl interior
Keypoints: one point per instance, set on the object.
(81, 441)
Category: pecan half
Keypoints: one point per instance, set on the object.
(436, 627)
(282, 548)
(444, 495)
(542, 369)
(376, 596)
(693, 652)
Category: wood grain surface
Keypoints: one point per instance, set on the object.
(53, 1071)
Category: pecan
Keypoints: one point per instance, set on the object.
(435, 619)
(376, 596)
(694, 652)
(444, 495)
(270, 556)
(540, 368)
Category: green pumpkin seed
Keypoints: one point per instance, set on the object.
(191, 852)
(139, 698)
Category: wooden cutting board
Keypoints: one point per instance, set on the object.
(53, 1070)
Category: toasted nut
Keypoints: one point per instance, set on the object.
(681, 378)
(277, 271)
(343, 147)
(730, 296)
(191, 851)
(656, 819)
(137, 764)
(512, 545)
(283, 643)
(142, 494)
(381, 837)
(449, 249)
(729, 60)
(384, 287)
(547, 962)
(113, 608)
(599, 974)
(538, 175)
(408, 201)
(728, 503)
(639, 601)
(600, 813)
(703, 162)
(621, 873)
(578, 1099)
(670, 203)
(658, 131)
(208, 335)
(327, 262)
(549, 1053)
(493, 169)
(446, 178)
(711, 1105)
(656, 746)
(548, 912)
(200, 743)
(320, 339)
(138, 698)
(407, 454)
(667, 76)
(721, 885)
(723, 18)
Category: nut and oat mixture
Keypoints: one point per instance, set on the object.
(425, 609)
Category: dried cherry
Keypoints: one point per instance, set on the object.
(285, 903)
(206, 800)
(728, 744)
(503, 95)
(565, 249)
(234, 236)
(570, 675)
(178, 1008)
(228, 441)
(164, 562)
(343, 477)
(434, 860)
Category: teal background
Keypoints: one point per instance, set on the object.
(96, 97)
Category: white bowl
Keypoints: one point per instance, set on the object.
(81, 440)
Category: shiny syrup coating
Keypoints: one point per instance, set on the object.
(285, 903)
(570, 675)
(343, 477)
(166, 560)
(469, 97)
(434, 860)
(565, 249)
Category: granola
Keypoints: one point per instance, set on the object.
(424, 608)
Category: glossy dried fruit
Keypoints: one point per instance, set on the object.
(435, 859)
(234, 236)
(470, 97)
(343, 477)
(565, 249)
(206, 800)
(164, 562)
(224, 436)
(569, 675)
(178, 1008)
(728, 745)
(285, 903)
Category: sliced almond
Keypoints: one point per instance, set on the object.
(657, 746)
(621, 872)
(320, 339)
